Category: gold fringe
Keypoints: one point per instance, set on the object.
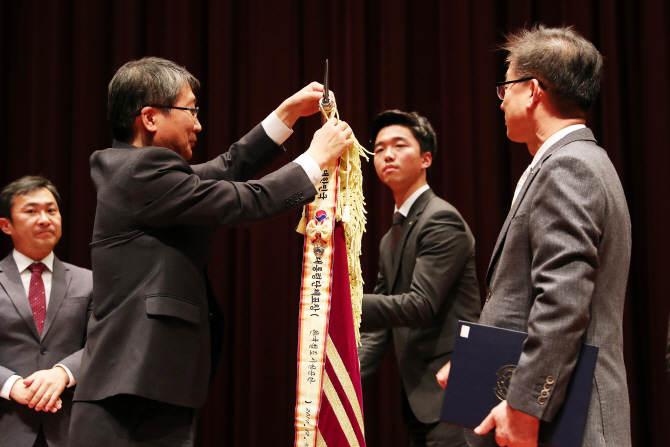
(351, 211)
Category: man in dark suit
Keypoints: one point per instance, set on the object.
(155, 331)
(560, 266)
(426, 281)
(44, 308)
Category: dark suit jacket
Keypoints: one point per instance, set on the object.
(23, 351)
(422, 290)
(149, 333)
(559, 272)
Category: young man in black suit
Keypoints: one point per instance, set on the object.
(426, 281)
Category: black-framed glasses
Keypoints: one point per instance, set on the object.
(194, 110)
(500, 86)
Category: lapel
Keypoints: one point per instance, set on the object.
(10, 279)
(410, 222)
(581, 134)
(60, 281)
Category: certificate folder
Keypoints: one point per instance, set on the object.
(482, 363)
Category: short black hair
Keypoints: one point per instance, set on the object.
(150, 80)
(417, 124)
(21, 187)
(570, 65)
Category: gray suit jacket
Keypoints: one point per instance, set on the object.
(422, 290)
(559, 272)
(23, 351)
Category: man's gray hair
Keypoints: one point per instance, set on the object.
(568, 64)
(150, 80)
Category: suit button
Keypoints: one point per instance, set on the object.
(541, 400)
(547, 386)
(544, 393)
(43, 351)
(550, 379)
(488, 297)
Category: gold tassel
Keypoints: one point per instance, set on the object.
(303, 222)
(351, 212)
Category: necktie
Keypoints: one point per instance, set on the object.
(36, 295)
(398, 219)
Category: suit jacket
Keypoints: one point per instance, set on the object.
(23, 351)
(423, 289)
(559, 272)
(156, 216)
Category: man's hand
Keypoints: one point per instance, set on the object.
(513, 428)
(45, 388)
(304, 103)
(443, 375)
(22, 394)
(330, 142)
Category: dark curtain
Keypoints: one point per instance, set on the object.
(434, 57)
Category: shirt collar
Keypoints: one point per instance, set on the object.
(553, 139)
(404, 209)
(23, 261)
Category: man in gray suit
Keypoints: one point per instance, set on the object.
(44, 308)
(560, 266)
(156, 328)
(426, 281)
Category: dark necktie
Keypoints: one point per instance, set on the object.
(398, 219)
(36, 295)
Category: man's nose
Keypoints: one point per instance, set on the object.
(198, 126)
(43, 219)
(388, 154)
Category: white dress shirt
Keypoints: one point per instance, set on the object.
(404, 209)
(22, 263)
(278, 132)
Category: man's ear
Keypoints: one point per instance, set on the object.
(147, 118)
(426, 160)
(5, 225)
(536, 93)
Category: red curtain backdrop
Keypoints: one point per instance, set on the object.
(434, 57)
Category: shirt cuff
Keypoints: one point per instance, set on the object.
(72, 381)
(276, 129)
(7, 387)
(311, 168)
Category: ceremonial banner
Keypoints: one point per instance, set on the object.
(329, 402)
(330, 413)
(315, 306)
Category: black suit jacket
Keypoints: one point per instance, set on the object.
(149, 334)
(423, 289)
(23, 351)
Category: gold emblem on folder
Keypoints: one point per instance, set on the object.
(502, 384)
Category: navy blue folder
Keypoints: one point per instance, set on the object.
(483, 360)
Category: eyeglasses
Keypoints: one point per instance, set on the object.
(500, 86)
(193, 110)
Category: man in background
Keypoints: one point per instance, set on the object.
(426, 280)
(156, 329)
(44, 308)
(560, 266)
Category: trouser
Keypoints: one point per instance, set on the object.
(130, 421)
